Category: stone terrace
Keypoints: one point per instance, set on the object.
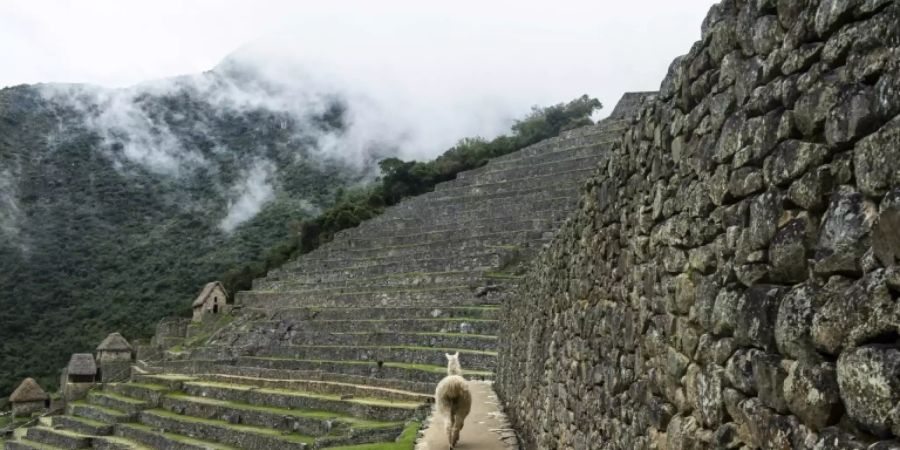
(346, 344)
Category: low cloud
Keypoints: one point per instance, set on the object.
(249, 195)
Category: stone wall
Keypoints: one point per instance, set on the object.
(730, 279)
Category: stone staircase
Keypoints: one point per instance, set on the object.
(344, 346)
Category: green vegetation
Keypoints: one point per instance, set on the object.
(406, 441)
(102, 244)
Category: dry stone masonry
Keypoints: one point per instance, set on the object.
(731, 278)
(345, 345)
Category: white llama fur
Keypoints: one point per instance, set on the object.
(453, 399)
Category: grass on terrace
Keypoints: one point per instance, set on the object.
(354, 422)
(179, 438)
(241, 428)
(411, 366)
(296, 393)
(406, 441)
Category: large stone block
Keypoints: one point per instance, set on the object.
(811, 393)
(844, 235)
(869, 380)
(757, 311)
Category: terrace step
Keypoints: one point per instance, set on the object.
(426, 325)
(554, 180)
(369, 340)
(25, 444)
(203, 368)
(545, 200)
(149, 393)
(118, 402)
(477, 312)
(223, 432)
(416, 295)
(465, 238)
(98, 412)
(116, 443)
(481, 256)
(82, 425)
(545, 208)
(271, 300)
(369, 408)
(150, 437)
(539, 198)
(283, 420)
(324, 387)
(476, 360)
(398, 281)
(485, 261)
(537, 168)
(57, 438)
(420, 373)
(597, 150)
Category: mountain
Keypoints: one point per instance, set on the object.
(116, 205)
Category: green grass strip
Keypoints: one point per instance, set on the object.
(411, 366)
(119, 397)
(299, 413)
(179, 437)
(241, 428)
(307, 394)
(105, 409)
(406, 441)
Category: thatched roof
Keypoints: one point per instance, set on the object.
(114, 343)
(82, 364)
(206, 291)
(28, 391)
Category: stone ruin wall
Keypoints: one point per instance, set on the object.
(731, 277)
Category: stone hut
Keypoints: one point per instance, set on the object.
(28, 399)
(114, 355)
(80, 376)
(213, 300)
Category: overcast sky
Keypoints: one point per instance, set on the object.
(545, 51)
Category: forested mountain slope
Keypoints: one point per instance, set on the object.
(116, 205)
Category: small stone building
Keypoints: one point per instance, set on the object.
(28, 399)
(114, 355)
(80, 376)
(213, 300)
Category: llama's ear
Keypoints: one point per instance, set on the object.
(456, 355)
(448, 355)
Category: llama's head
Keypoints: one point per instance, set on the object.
(453, 367)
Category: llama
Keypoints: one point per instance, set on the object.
(453, 399)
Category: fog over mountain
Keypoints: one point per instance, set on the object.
(148, 148)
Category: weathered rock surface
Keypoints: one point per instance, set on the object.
(748, 236)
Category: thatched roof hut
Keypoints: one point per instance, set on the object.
(207, 290)
(114, 343)
(82, 364)
(28, 391)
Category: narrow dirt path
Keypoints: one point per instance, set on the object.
(486, 427)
